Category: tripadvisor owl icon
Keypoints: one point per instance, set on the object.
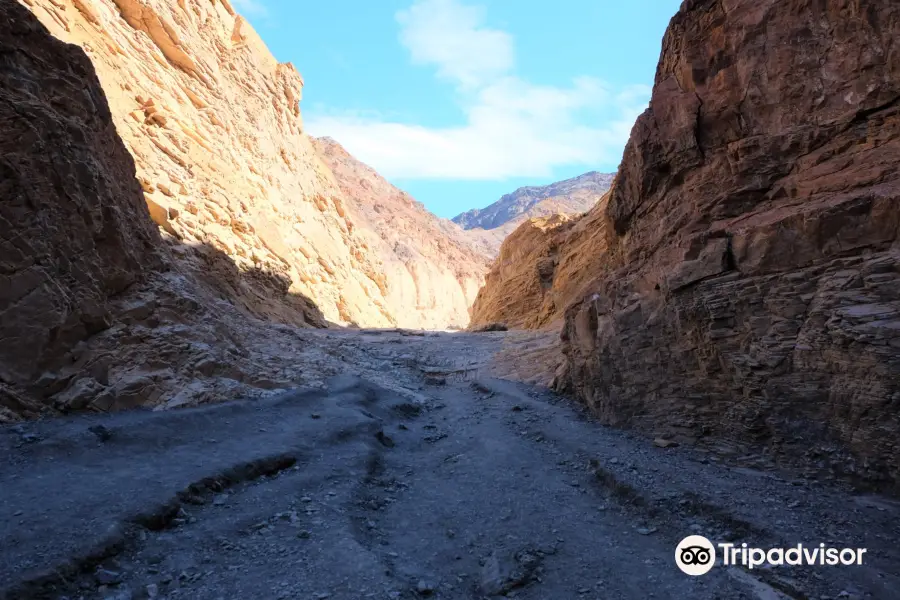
(695, 555)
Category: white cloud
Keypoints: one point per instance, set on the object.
(250, 7)
(513, 128)
(452, 37)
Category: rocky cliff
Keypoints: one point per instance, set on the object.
(165, 223)
(430, 269)
(98, 311)
(213, 123)
(493, 224)
(541, 267)
(750, 274)
(74, 229)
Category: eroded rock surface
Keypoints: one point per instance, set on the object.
(100, 309)
(214, 125)
(752, 275)
(429, 266)
(166, 223)
(542, 265)
(74, 229)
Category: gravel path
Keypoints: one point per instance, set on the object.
(424, 479)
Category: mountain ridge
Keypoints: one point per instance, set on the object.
(568, 196)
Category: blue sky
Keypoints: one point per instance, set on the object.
(461, 101)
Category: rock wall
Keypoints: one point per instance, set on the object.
(542, 266)
(213, 123)
(96, 310)
(429, 270)
(74, 229)
(165, 224)
(751, 290)
(740, 285)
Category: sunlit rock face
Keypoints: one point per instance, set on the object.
(213, 123)
(430, 270)
(166, 223)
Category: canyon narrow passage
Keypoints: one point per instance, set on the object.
(413, 474)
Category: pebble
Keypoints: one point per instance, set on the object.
(425, 588)
(107, 577)
(102, 433)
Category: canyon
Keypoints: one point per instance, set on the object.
(238, 362)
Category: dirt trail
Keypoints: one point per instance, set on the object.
(423, 478)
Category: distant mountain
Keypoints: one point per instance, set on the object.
(571, 196)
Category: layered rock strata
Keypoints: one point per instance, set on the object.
(743, 278)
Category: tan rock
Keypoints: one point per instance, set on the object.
(542, 266)
(199, 100)
(229, 237)
(429, 270)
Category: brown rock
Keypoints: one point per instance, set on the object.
(542, 266)
(753, 279)
(74, 229)
(743, 281)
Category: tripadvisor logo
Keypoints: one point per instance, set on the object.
(696, 555)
